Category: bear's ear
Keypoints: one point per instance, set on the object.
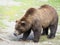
(30, 11)
(23, 23)
(16, 21)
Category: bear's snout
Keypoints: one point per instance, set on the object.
(15, 34)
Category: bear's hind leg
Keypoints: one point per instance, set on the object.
(45, 31)
(26, 34)
(53, 29)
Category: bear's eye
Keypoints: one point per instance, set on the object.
(23, 23)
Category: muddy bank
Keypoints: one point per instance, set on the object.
(7, 38)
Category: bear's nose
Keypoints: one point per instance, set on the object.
(15, 34)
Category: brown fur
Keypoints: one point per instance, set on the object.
(36, 19)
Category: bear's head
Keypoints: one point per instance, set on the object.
(22, 26)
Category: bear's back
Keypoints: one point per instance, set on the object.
(47, 15)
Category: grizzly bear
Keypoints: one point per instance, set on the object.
(43, 18)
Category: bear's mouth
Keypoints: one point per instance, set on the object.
(16, 33)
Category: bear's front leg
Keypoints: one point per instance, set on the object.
(37, 34)
(26, 34)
